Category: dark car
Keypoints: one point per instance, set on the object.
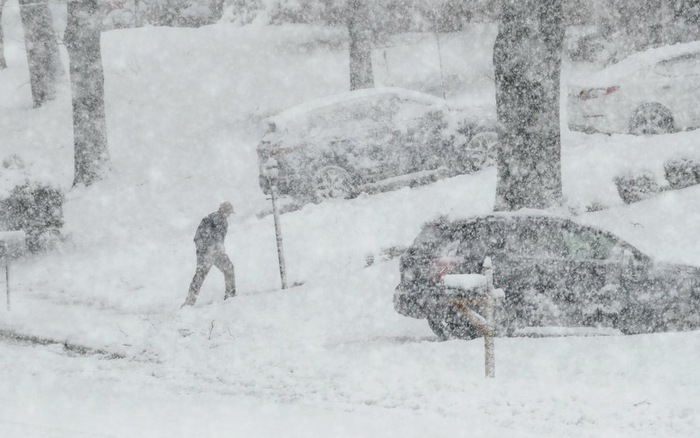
(556, 273)
(372, 140)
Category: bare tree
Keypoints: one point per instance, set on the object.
(360, 33)
(82, 40)
(3, 64)
(527, 62)
(42, 49)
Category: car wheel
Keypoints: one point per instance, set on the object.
(332, 182)
(481, 150)
(452, 325)
(651, 118)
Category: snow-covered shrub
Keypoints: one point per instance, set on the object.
(636, 186)
(682, 172)
(596, 205)
(388, 16)
(35, 208)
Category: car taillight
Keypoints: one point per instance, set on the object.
(594, 93)
(442, 266)
(408, 275)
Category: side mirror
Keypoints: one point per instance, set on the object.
(627, 258)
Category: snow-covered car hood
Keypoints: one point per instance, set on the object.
(680, 271)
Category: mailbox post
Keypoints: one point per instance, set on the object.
(11, 246)
(477, 290)
(272, 173)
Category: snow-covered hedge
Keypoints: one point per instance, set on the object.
(389, 16)
(634, 186)
(35, 208)
(682, 172)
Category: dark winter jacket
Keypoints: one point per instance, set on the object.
(211, 232)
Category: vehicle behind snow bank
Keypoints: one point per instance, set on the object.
(371, 139)
(651, 92)
(557, 275)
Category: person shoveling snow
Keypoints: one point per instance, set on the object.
(209, 240)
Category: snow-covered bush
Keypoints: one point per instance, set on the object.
(634, 186)
(682, 172)
(388, 16)
(190, 13)
(35, 208)
(596, 205)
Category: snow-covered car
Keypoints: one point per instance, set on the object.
(650, 92)
(558, 276)
(373, 139)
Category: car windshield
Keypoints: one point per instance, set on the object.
(685, 65)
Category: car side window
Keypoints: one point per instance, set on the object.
(685, 65)
(589, 245)
(536, 240)
(481, 240)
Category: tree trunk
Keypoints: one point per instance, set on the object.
(360, 33)
(82, 41)
(42, 49)
(527, 63)
(3, 64)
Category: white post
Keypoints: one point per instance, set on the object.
(489, 348)
(485, 296)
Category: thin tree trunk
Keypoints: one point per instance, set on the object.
(3, 64)
(527, 62)
(82, 41)
(360, 33)
(42, 49)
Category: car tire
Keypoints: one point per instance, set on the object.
(332, 182)
(452, 325)
(481, 150)
(651, 118)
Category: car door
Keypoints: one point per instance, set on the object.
(416, 128)
(594, 276)
(532, 272)
(353, 134)
(559, 274)
(371, 128)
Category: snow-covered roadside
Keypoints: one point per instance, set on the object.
(184, 107)
(47, 394)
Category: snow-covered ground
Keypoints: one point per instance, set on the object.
(329, 357)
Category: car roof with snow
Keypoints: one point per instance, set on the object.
(476, 112)
(637, 62)
(519, 216)
(299, 112)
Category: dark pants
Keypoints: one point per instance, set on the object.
(205, 260)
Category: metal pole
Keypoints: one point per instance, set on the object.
(278, 233)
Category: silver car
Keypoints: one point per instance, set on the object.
(651, 92)
(372, 140)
